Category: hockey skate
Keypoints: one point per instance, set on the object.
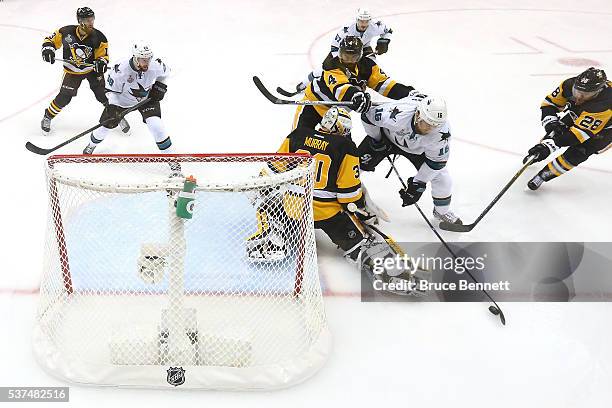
(447, 217)
(539, 179)
(266, 247)
(125, 126)
(89, 149)
(45, 124)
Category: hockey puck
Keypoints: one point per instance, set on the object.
(494, 310)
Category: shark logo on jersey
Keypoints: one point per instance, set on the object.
(394, 113)
(445, 135)
(139, 92)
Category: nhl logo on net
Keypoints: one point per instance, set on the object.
(176, 376)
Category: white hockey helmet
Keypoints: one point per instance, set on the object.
(432, 109)
(337, 121)
(363, 14)
(141, 49)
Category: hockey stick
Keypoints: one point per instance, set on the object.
(278, 101)
(287, 93)
(352, 207)
(39, 150)
(496, 310)
(466, 228)
(85, 64)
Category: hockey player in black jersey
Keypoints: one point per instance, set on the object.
(345, 78)
(85, 55)
(587, 101)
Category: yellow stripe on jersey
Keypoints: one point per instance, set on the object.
(102, 51)
(556, 98)
(323, 210)
(296, 117)
(54, 40)
(348, 182)
(564, 163)
(379, 81)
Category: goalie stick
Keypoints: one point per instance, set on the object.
(42, 151)
(278, 101)
(496, 310)
(447, 226)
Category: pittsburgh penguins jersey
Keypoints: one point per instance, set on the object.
(337, 180)
(375, 29)
(126, 86)
(339, 83)
(591, 117)
(397, 122)
(78, 49)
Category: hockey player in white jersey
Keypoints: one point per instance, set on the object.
(366, 31)
(128, 83)
(416, 128)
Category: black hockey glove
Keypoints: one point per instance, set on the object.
(158, 90)
(541, 151)
(361, 102)
(48, 54)
(413, 192)
(100, 66)
(382, 45)
(553, 126)
(372, 152)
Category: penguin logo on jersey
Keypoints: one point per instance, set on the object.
(80, 53)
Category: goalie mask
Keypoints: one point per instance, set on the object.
(336, 121)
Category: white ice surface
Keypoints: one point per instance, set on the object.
(493, 61)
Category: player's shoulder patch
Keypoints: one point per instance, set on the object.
(345, 29)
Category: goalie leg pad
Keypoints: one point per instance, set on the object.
(344, 232)
(373, 260)
(268, 242)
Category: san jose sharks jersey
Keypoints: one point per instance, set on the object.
(77, 49)
(375, 29)
(397, 122)
(126, 86)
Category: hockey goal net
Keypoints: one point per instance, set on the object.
(133, 294)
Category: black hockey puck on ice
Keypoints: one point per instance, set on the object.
(494, 310)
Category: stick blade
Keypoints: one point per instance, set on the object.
(447, 226)
(264, 91)
(37, 150)
(286, 93)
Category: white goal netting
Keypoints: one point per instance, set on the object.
(134, 293)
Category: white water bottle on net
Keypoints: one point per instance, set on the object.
(156, 279)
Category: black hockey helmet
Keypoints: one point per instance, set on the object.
(591, 80)
(83, 13)
(351, 49)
